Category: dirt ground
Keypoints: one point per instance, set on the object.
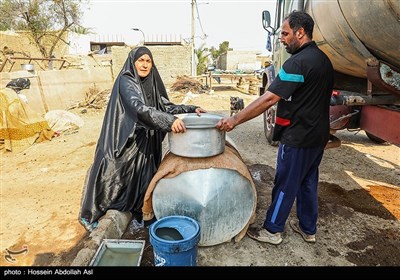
(359, 198)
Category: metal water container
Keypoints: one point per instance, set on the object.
(351, 32)
(201, 138)
(28, 67)
(222, 200)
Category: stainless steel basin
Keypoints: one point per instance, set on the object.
(201, 138)
(28, 67)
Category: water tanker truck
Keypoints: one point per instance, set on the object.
(361, 38)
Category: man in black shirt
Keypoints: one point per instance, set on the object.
(302, 90)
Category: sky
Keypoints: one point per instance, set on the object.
(215, 21)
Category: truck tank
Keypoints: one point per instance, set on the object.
(360, 38)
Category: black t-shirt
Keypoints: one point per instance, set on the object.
(305, 84)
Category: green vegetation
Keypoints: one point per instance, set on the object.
(203, 54)
(223, 48)
(46, 21)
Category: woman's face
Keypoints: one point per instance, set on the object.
(143, 65)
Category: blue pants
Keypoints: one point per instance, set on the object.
(297, 173)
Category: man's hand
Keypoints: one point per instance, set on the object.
(226, 124)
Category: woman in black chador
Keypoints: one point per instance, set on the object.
(129, 149)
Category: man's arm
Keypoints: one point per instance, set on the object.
(255, 108)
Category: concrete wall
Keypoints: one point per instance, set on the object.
(241, 60)
(59, 89)
(171, 61)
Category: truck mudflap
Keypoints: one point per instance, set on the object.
(382, 122)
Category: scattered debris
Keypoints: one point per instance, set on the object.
(94, 99)
(185, 84)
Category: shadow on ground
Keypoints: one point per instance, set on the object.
(378, 246)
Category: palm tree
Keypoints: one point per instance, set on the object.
(202, 55)
(78, 29)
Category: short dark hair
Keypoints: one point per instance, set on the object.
(298, 19)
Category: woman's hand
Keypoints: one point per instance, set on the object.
(178, 126)
(200, 110)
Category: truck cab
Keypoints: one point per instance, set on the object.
(358, 37)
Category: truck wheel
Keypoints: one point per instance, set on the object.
(374, 139)
(269, 125)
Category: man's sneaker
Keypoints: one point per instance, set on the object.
(310, 238)
(263, 235)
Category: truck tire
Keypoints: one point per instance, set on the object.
(374, 139)
(269, 125)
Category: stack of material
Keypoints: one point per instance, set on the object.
(94, 99)
(185, 84)
(253, 85)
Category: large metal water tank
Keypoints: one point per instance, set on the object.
(350, 32)
(218, 192)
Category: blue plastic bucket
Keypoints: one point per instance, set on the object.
(174, 240)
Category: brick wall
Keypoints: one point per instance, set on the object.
(59, 89)
(171, 61)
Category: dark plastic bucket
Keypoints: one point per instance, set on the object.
(174, 240)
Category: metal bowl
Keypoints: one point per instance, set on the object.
(27, 67)
(201, 138)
